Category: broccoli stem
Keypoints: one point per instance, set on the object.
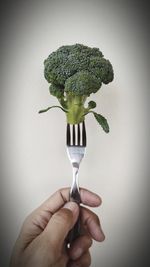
(75, 108)
(62, 102)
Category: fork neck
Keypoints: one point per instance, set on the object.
(74, 193)
(75, 170)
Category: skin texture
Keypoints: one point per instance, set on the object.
(41, 242)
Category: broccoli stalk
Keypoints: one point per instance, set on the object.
(75, 72)
(75, 109)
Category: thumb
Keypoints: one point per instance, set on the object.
(61, 223)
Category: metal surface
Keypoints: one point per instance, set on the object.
(76, 146)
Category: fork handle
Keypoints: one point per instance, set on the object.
(75, 197)
(75, 231)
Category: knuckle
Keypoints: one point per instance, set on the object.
(86, 262)
(59, 191)
(63, 193)
(26, 223)
(88, 259)
(96, 219)
(93, 218)
(88, 241)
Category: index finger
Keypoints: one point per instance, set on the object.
(59, 198)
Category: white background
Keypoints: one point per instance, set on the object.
(34, 163)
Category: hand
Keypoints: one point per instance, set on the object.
(41, 242)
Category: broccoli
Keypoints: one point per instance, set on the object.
(74, 73)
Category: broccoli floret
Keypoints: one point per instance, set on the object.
(83, 83)
(56, 90)
(75, 72)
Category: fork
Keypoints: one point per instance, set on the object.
(76, 146)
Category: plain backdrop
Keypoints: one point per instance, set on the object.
(34, 162)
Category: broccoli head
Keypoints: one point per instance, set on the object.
(74, 73)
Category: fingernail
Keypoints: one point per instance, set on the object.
(72, 206)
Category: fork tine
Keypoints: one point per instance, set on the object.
(83, 134)
(73, 135)
(78, 143)
(68, 141)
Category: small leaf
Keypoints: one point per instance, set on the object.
(91, 105)
(45, 110)
(102, 121)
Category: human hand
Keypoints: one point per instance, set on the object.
(41, 242)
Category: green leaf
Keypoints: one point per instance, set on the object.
(102, 121)
(45, 110)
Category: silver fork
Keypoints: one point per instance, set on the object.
(76, 146)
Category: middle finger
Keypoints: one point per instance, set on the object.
(92, 224)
